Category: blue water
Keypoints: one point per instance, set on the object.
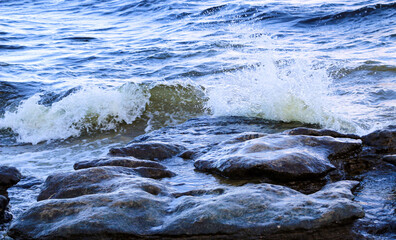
(79, 77)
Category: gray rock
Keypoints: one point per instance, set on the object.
(130, 211)
(91, 181)
(320, 132)
(3, 207)
(384, 141)
(9, 176)
(148, 150)
(144, 168)
(129, 162)
(262, 209)
(278, 156)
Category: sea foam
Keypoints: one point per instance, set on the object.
(278, 89)
(92, 108)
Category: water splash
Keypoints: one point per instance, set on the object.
(278, 89)
(89, 109)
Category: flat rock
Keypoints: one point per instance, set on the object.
(262, 209)
(320, 132)
(278, 156)
(148, 150)
(129, 162)
(384, 141)
(91, 181)
(130, 211)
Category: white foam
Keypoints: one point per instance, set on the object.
(276, 89)
(89, 109)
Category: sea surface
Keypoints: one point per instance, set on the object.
(80, 76)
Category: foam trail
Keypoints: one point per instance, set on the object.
(87, 110)
(283, 90)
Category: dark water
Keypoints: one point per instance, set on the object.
(79, 77)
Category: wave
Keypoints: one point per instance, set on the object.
(275, 89)
(288, 90)
(358, 13)
(44, 117)
(85, 110)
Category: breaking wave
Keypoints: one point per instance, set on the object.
(283, 90)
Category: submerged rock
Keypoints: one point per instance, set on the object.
(148, 150)
(131, 211)
(278, 156)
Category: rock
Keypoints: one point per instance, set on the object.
(131, 211)
(126, 213)
(277, 156)
(187, 154)
(376, 193)
(262, 209)
(117, 161)
(320, 132)
(9, 176)
(155, 173)
(384, 141)
(92, 180)
(199, 135)
(148, 150)
(390, 159)
(4, 217)
(144, 168)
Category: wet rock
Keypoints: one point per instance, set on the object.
(128, 212)
(384, 141)
(390, 159)
(155, 173)
(4, 216)
(199, 192)
(151, 211)
(320, 132)
(187, 154)
(144, 168)
(148, 150)
(262, 209)
(91, 181)
(117, 161)
(9, 176)
(199, 135)
(376, 194)
(277, 156)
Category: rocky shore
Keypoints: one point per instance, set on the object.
(221, 178)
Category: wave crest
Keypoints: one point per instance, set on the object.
(288, 90)
(86, 110)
